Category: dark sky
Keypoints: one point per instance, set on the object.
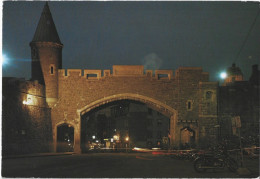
(159, 35)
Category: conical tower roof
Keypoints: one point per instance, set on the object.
(46, 30)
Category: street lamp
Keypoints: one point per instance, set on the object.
(116, 137)
(223, 75)
(126, 139)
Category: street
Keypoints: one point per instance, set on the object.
(106, 165)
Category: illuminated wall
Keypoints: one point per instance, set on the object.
(26, 121)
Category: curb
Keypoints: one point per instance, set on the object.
(37, 155)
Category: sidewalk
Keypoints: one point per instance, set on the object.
(37, 155)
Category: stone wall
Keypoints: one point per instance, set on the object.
(78, 91)
(26, 121)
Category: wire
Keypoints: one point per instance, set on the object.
(252, 26)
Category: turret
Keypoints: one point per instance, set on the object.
(46, 52)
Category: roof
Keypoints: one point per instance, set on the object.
(46, 30)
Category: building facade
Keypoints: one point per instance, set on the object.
(240, 98)
(187, 98)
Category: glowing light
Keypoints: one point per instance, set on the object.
(5, 59)
(127, 138)
(116, 137)
(25, 102)
(93, 137)
(223, 75)
(28, 101)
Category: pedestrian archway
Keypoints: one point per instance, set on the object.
(65, 138)
(187, 137)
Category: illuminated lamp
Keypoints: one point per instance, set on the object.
(223, 75)
(28, 102)
(127, 139)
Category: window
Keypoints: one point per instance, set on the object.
(52, 70)
(209, 94)
(162, 76)
(91, 75)
(189, 105)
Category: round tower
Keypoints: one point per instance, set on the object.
(46, 53)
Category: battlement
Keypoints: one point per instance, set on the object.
(132, 71)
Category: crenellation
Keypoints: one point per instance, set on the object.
(149, 73)
(128, 70)
(62, 72)
(106, 73)
(92, 74)
(74, 72)
(132, 71)
(164, 74)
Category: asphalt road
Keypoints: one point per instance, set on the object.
(106, 165)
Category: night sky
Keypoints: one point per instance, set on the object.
(159, 35)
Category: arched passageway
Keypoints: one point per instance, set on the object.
(187, 137)
(124, 124)
(65, 138)
(156, 105)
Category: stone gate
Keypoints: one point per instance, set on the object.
(186, 97)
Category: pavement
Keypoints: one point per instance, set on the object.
(251, 165)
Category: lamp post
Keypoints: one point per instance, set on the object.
(126, 139)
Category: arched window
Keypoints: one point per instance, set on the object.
(189, 105)
(52, 70)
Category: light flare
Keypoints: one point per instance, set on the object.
(223, 75)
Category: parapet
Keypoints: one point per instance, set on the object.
(128, 70)
(164, 74)
(134, 71)
(191, 73)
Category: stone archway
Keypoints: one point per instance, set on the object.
(187, 136)
(153, 103)
(64, 140)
